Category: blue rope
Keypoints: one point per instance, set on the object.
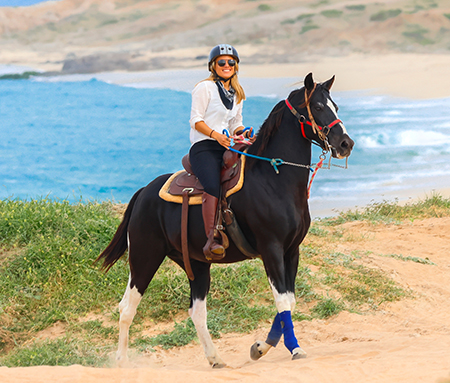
(275, 162)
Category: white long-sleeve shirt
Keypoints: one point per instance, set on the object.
(207, 106)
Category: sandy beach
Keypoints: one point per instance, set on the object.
(406, 75)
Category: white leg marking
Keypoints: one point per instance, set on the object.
(333, 109)
(259, 349)
(127, 308)
(284, 301)
(198, 316)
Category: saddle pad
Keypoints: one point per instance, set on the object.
(197, 199)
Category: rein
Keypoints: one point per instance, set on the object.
(321, 131)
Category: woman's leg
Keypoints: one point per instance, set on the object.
(206, 162)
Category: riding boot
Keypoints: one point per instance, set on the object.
(213, 250)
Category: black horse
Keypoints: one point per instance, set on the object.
(271, 209)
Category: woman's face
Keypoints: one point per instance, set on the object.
(225, 71)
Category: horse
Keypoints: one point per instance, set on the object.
(271, 210)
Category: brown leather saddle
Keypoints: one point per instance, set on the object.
(187, 181)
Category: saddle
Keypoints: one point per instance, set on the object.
(185, 181)
(185, 188)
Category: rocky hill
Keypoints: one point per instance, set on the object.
(92, 35)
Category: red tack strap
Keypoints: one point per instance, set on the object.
(318, 166)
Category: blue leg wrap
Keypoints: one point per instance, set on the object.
(275, 332)
(290, 341)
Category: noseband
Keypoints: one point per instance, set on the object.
(321, 131)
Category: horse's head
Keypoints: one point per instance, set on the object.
(321, 123)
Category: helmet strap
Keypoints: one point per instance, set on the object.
(217, 77)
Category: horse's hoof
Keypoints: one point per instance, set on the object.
(298, 353)
(219, 365)
(259, 349)
(255, 352)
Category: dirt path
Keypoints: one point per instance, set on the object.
(406, 341)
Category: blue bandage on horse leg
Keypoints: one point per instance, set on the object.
(290, 341)
(275, 332)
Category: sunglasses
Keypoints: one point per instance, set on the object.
(222, 62)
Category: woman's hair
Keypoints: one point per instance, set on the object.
(240, 94)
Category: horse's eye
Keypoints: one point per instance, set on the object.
(319, 106)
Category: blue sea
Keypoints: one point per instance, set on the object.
(88, 140)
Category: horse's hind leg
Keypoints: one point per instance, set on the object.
(127, 308)
(197, 311)
(143, 266)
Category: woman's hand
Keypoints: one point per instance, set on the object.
(249, 136)
(222, 139)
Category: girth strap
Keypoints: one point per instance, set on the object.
(184, 235)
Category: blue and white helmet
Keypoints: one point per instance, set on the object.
(221, 50)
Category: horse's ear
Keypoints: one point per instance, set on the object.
(309, 82)
(328, 84)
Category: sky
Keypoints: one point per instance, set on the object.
(19, 3)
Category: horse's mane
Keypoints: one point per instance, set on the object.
(272, 123)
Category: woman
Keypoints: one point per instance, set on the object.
(216, 105)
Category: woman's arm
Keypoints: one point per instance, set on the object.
(222, 139)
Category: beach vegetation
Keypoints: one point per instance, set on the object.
(433, 206)
(447, 15)
(331, 13)
(356, 7)
(288, 21)
(48, 280)
(416, 33)
(264, 7)
(304, 16)
(320, 3)
(385, 14)
(20, 76)
(308, 27)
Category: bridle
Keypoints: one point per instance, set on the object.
(321, 131)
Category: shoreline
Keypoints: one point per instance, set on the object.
(277, 80)
(405, 75)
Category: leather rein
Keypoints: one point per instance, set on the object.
(321, 131)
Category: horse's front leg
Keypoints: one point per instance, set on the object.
(197, 311)
(281, 276)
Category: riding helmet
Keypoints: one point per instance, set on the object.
(221, 50)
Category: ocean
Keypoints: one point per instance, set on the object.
(84, 139)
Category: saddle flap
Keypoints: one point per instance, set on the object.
(185, 181)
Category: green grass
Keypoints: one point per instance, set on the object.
(47, 249)
(434, 206)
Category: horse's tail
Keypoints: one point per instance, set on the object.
(119, 243)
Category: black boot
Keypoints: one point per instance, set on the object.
(213, 250)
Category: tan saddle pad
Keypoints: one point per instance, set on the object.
(232, 179)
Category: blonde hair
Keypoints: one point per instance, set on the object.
(240, 94)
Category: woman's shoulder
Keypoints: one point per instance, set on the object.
(204, 85)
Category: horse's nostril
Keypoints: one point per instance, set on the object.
(347, 144)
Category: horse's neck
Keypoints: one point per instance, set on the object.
(289, 145)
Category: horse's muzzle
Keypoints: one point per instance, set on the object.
(344, 147)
